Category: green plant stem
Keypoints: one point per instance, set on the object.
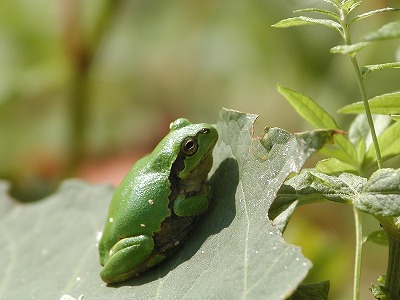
(367, 110)
(358, 254)
(361, 86)
(392, 281)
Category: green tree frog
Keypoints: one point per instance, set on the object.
(156, 205)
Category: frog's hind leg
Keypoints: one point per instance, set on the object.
(126, 258)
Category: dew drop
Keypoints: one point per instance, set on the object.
(111, 220)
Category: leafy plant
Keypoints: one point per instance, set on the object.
(343, 177)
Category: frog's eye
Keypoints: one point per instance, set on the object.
(189, 146)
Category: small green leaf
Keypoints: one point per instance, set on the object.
(371, 68)
(333, 4)
(354, 6)
(381, 194)
(309, 110)
(386, 32)
(300, 21)
(389, 142)
(349, 49)
(360, 134)
(371, 13)
(379, 292)
(383, 104)
(395, 117)
(334, 166)
(317, 10)
(378, 237)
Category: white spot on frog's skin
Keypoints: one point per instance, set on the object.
(151, 202)
(98, 235)
(142, 225)
(110, 252)
(111, 220)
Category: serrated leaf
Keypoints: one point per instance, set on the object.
(378, 237)
(371, 13)
(349, 49)
(49, 247)
(378, 67)
(381, 194)
(312, 291)
(309, 187)
(334, 166)
(389, 142)
(317, 10)
(309, 110)
(383, 104)
(386, 32)
(300, 21)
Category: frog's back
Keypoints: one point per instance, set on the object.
(139, 204)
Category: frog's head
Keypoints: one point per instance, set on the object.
(196, 143)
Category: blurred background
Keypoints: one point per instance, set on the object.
(87, 87)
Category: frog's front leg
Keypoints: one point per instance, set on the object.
(125, 258)
(190, 206)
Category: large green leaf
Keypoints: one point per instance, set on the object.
(48, 248)
(381, 194)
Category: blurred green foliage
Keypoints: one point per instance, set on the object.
(99, 77)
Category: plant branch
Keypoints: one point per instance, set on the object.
(353, 57)
(358, 254)
(392, 281)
